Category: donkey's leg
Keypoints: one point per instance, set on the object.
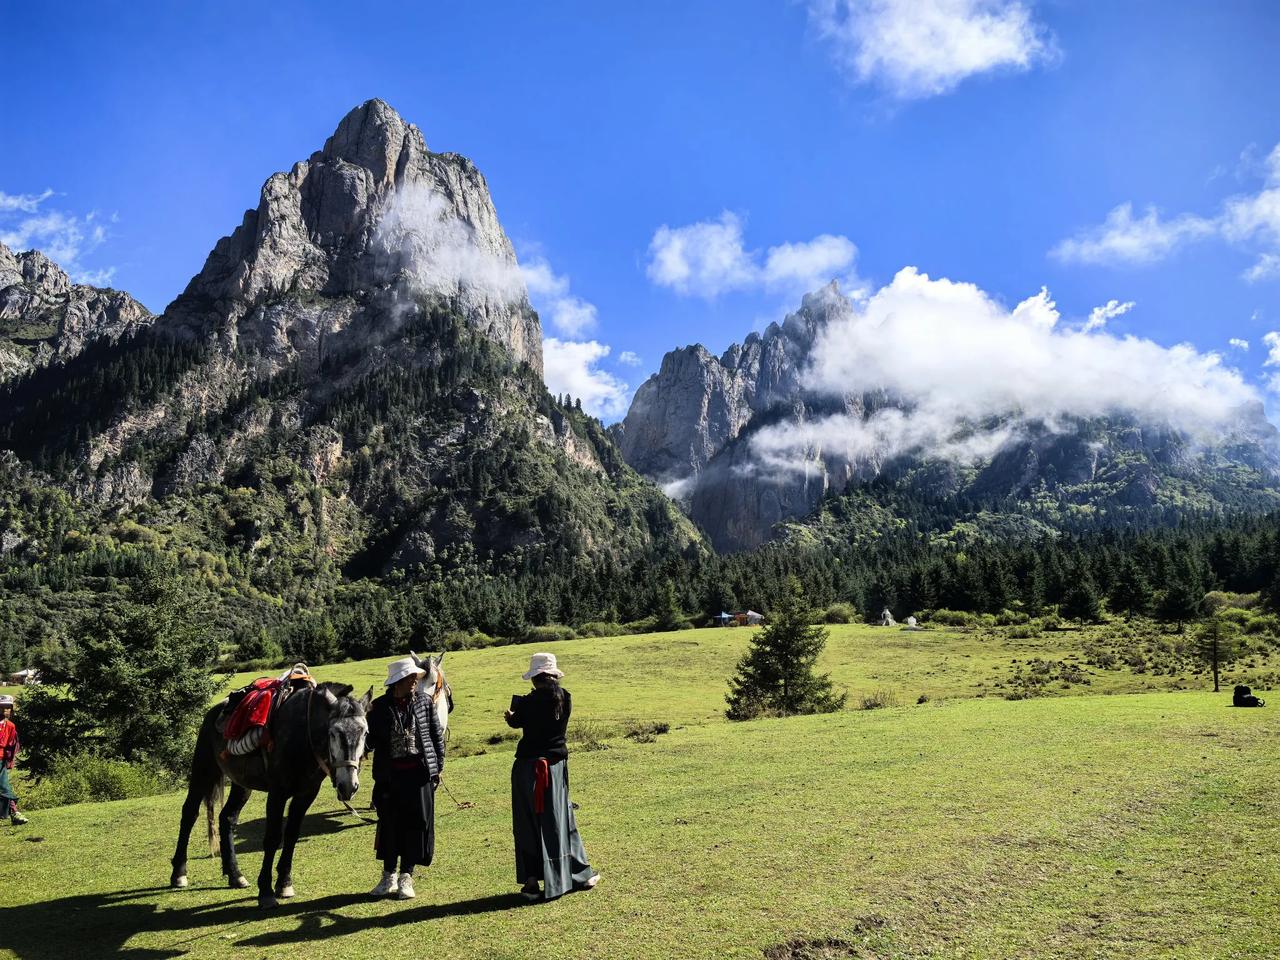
(227, 821)
(196, 792)
(293, 826)
(270, 843)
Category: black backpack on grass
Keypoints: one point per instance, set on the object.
(1243, 697)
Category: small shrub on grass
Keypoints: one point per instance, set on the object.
(1262, 623)
(646, 731)
(951, 618)
(89, 778)
(466, 640)
(587, 736)
(1237, 615)
(1008, 618)
(878, 699)
(840, 613)
(601, 628)
(1024, 631)
(1051, 622)
(643, 625)
(549, 634)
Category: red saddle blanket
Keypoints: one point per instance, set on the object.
(254, 709)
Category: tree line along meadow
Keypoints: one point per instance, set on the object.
(170, 635)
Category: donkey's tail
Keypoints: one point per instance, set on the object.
(212, 804)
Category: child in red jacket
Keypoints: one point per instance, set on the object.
(8, 753)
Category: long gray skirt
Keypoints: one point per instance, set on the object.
(548, 847)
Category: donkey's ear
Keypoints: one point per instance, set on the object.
(329, 698)
(367, 700)
(440, 659)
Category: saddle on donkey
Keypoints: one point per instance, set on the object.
(245, 722)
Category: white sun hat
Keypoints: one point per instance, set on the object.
(397, 670)
(543, 663)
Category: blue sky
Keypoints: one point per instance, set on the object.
(985, 141)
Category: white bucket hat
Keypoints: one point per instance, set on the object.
(543, 663)
(397, 670)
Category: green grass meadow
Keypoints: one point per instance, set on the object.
(1122, 818)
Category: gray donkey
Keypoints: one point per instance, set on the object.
(316, 733)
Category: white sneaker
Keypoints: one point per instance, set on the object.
(406, 887)
(389, 886)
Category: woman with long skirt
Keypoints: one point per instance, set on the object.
(408, 755)
(548, 847)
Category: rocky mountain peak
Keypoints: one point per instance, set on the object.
(45, 318)
(697, 403)
(375, 137)
(368, 222)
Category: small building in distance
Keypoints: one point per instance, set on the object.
(747, 618)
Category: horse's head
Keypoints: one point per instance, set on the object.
(345, 734)
(436, 686)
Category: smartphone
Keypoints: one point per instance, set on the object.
(515, 702)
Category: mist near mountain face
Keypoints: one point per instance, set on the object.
(967, 374)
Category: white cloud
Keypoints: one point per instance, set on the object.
(1268, 266)
(1123, 239)
(1238, 344)
(549, 291)
(921, 48)
(1099, 316)
(629, 358)
(572, 367)
(63, 237)
(709, 258)
(810, 264)
(22, 202)
(705, 258)
(1246, 220)
(952, 357)
(440, 253)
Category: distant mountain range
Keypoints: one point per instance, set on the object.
(707, 428)
(352, 383)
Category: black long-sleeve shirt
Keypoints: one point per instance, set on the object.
(543, 733)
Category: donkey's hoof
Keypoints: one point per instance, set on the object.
(178, 881)
(285, 891)
(238, 882)
(267, 902)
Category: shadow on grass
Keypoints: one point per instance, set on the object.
(319, 921)
(249, 833)
(99, 925)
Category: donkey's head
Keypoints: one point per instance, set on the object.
(345, 734)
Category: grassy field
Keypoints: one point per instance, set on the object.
(1134, 825)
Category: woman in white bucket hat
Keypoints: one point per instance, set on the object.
(548, 847)
(407, 743)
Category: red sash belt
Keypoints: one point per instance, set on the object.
(541, 780)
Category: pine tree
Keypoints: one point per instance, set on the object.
(1217, 643)
(1082, 601)
(1132, 593)
(667, 612)
(777, 673)
(1181, 602)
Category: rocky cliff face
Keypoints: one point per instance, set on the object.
(697, 403)
(703, 427)
(362, 342)
(365, 224)
(45, 318)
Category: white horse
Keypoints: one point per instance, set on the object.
(435, 685)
